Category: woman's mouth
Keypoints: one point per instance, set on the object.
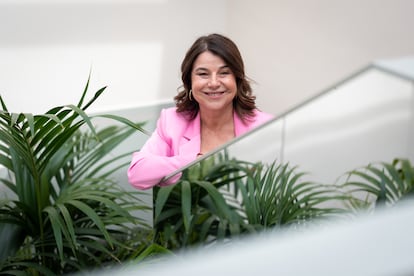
(214, 94)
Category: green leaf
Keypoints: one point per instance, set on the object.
(71, 238)
(84, 116)
(222, 207)
(161, 198)
(186, 205)
(3, 105)
(125, 121)
(92, 215)
(85, 90)
(150, 251)
(57, 227)
(30, 121)
(95, 97)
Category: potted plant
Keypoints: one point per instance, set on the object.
(220, 198)
(64, 213)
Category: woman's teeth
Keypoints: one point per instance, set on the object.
(213, 94)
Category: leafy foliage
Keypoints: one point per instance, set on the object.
(194, 211)
(275, 195)
(380, 184)
(64, 212)
(222, 198)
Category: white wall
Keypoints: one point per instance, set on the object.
(295, 48)
(135, 47)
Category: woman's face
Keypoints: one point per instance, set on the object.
(213, 83)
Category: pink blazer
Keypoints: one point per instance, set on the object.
(175, 143)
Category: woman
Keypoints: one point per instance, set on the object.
(215, 105)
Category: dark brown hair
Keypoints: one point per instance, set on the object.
(244, 102)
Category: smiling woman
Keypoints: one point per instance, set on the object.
(214, 88)
(215, 104)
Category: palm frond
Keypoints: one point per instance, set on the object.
(70, 212)
(386, 183)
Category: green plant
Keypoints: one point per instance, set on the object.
(379, 184)
(275, 195)
(194, 211)
(64, 212)
(220, 198)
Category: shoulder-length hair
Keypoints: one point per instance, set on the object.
(244, 101)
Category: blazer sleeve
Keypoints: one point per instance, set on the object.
(157, 158)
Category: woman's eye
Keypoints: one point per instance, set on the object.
(225, 73)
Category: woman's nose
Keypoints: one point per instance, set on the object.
(214, 81)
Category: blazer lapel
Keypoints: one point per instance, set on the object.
(191, 140)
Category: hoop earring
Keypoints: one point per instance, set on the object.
(189, 95)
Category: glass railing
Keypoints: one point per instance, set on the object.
(367, 117)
